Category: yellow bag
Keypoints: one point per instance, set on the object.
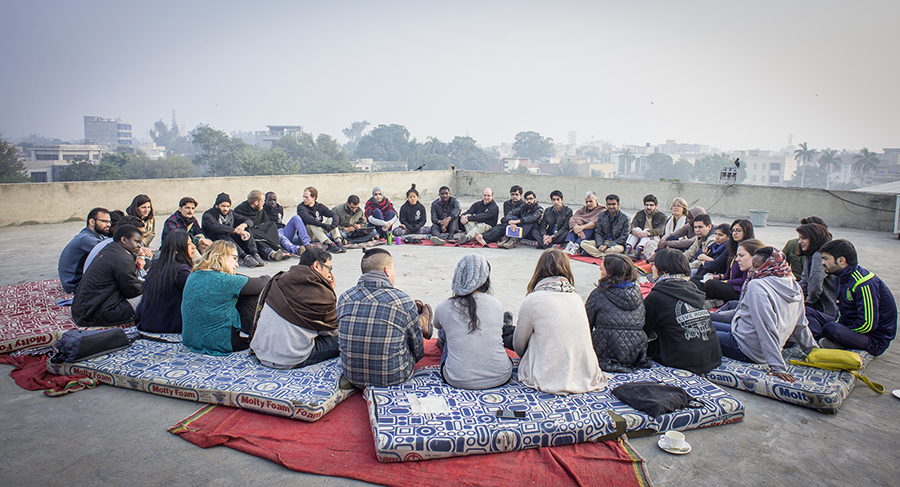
(832, 359)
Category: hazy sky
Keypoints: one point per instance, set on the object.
(734, 75)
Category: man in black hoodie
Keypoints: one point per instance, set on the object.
(527, 216)
(220, 223)
(110, 289)
(677, 323)
(263, 230)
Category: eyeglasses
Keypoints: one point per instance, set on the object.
(330, 269)
(105, 221)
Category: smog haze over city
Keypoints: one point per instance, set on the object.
(733, 75)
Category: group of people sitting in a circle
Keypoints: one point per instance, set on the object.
(813, 293)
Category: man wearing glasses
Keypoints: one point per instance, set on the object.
(515, 199)
(522, 221)
(297, 325)
(71, 261)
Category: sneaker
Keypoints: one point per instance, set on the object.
(457, 236)
(438, 241)
(278, 255)
(826, 343)
(511, 243)
(259, 260)
(425, 314)
(340, 248)
(463, 238)
(334, 249)
(249, 261)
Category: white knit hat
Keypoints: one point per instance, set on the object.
(470, 274)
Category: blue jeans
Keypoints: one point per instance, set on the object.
(728, 344)
(378, 215)
(294, 234)
(572, 237)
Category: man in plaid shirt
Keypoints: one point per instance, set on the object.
(379, 326)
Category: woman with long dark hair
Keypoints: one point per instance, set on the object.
(769, 312)
(471, 326)
(817, 285)
(615, 312)
(160, 307)
(142, 208)
(727, 286)
(553, 334)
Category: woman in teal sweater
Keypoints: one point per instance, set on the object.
(217, 305)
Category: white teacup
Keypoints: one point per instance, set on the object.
(673, 439)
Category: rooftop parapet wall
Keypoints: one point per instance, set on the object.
(60, 202)
(838, 208)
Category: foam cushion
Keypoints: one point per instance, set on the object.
(238, 380)
(425, 418)
(30, 317)
(820, 389)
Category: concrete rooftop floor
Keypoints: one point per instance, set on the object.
(111, 435)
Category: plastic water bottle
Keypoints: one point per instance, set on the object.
(390, 237)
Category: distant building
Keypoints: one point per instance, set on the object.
(765, 168)
(511, 163)
(107, 132)
(43, 162)
(151, 150)
(364, 165)
(267, 138)
(671, 147)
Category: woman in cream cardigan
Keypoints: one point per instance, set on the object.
(553, 335)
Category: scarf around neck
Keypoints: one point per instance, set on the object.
(557, 284)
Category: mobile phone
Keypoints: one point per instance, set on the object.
(506, 414)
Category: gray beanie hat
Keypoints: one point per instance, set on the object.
(376, 189)
(470, 274)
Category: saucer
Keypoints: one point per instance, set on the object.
(896, 393)
(676, 451)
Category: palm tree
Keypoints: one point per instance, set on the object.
(434, 146)
(628, 157)
(567, 168)
(829, 161)
(804, 155)
(865, 162)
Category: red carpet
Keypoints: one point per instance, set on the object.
(30, 373)
(341, 445)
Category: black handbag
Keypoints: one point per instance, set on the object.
(655, 398)
(78, 345)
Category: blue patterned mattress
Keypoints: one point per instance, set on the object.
(820, 389)
(425, 418)
(238, 380)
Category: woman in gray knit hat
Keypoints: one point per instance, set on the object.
(471, 326)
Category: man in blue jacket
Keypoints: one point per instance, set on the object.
(71, 260)
(866, 318)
